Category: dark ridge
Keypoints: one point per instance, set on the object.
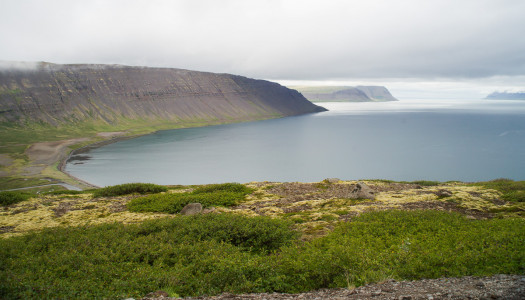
(60, 94)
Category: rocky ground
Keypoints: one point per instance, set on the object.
(315, 208)
(494, 287)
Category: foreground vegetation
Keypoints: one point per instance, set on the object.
(209, 254)
(227, 194)
(260, 237)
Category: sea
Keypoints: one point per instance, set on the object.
(407, 140)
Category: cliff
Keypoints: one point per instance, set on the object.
(506, 96)
(352, 94)
(61, 94)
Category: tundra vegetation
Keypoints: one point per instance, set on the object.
(257, 237)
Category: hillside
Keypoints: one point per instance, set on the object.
(60, 94)
(346, 93)
(46, 110)
(137, 240)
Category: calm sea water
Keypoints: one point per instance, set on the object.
(406, 140)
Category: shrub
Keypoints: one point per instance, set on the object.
(513, 191)
(426, 182)
(129, 188)
(192, 255)
(65, 192)
(215, 253)
(404, 245)
(8, 198)
(227, 194)
(223, 187)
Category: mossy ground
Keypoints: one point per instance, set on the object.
(284, 237)
(315, 208)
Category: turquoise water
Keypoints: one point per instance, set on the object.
(467, 140)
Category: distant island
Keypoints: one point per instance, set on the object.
(345, 93)
(506, 96)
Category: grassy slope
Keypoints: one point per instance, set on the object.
(68, 246)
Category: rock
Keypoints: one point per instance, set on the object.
(191, 209)
(363, 191)
(443, 193)
(156, 295)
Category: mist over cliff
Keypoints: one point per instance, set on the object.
(346, 93)
(56, 94)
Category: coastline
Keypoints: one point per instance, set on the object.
(114, 139)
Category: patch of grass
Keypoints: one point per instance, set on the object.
(223, 187)
(404, 245)
(8, 198)
(66, 192)
(193, 255)
(426, 183)
(129, 188)
(214, 253)
(513, 191)
(227, 194)
(7, 183)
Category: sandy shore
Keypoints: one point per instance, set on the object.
(45, 154)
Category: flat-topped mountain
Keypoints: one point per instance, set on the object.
(59, 94)
(506, 96)
(346, 93)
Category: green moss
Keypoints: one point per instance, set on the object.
(227, 194)
(8, 198)
(513, 191)
(129, 188)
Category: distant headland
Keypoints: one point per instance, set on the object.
(345, 93)
(506, 96)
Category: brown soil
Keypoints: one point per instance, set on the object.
(494, 287)
(50, 152)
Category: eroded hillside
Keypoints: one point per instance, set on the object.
(58, 94)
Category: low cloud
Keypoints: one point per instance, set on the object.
(288, 39)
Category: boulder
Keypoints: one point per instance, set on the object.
(191, 209)
(443, 193)
(363, 191)
(156, 295)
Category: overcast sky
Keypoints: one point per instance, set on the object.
(408, 45)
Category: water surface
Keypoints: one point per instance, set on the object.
(467, 140)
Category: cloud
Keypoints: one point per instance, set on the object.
(275, 39)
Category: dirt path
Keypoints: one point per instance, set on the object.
(493, 287)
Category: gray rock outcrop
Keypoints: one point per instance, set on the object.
(363, 191)
(191, 209)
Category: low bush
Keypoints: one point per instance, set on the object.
(426, 182)
(223, 187)
(65, 192)
(129, 188)
(227, 194)
(214, 253)
(191, 255)
(513, 191)
(404, 245)
(8, 198)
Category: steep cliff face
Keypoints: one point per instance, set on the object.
(352, 94)
(58, 94)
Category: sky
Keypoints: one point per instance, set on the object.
(417, 48)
